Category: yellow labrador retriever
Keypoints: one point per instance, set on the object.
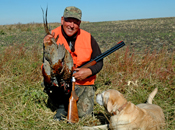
(127, 116)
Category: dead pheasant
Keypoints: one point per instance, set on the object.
(58, 63)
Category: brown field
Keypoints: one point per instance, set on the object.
(147, 61)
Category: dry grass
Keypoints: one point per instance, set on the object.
(135, 70)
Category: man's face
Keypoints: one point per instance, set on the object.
(70, 25)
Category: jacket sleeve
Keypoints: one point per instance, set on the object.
(95, 52)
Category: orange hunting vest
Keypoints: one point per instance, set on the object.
(82, 52)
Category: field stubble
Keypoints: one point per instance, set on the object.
(147, 61)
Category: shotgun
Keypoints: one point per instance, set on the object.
(72, 115)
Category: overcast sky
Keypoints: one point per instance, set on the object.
(27, 11)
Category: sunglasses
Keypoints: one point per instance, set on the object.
(74, 20)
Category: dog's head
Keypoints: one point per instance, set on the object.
(111, 100)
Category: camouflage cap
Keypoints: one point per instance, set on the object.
(73, 12)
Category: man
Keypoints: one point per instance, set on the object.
(83, 48)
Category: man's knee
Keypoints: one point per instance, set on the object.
(85, 107)
(86, 100)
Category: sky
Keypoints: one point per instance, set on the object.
(29, 11)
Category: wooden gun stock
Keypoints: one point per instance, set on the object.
(72, 115)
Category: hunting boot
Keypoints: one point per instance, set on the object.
(61, 113)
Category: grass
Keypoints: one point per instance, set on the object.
(147, 61)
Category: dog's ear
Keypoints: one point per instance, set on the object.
(109, 106)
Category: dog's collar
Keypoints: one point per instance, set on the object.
(120, 108)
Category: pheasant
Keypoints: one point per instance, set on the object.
(57, 62)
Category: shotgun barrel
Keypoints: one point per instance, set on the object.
(103, 55)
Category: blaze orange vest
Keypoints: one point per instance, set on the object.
(82, 52)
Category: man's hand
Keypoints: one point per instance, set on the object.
(47, 38)
(82, 73)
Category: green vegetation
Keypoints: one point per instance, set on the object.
(147, 61)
